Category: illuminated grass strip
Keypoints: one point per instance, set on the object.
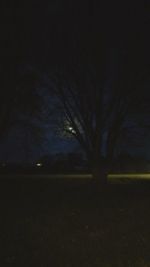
(130, 176)
(126, 178)
(116, 178)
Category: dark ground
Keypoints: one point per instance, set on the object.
(68, 223)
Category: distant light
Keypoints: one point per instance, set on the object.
(39, 164)
(3, 164)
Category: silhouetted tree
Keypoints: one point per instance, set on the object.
(95, 108)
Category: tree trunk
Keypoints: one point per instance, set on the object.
(99, 172)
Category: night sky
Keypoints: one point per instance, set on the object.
(46, 34)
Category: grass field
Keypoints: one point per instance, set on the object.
(112, 178)
(67, 222)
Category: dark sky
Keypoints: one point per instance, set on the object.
(49, 33)
(50, 30)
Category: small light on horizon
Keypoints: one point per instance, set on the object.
(3, 164)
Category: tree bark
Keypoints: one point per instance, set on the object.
(99, 172)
